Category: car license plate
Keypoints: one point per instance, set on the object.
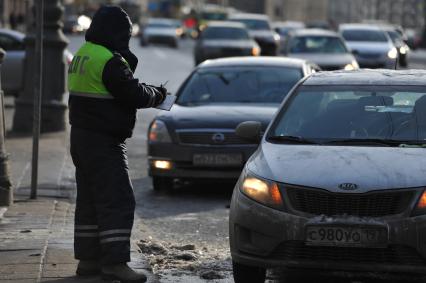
(346, 236)
(218, 159)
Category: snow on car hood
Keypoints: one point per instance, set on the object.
(371, 168)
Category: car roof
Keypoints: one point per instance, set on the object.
(254, 61)
(314, 32)
(380, 77)
(226, 24)
(249, 16)
(160, 20)
(13, 33)
(359, 26)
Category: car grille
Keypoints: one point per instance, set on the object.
(370, 55)
(229, 52)
(211, 138)
(376, 204)
(394, 254)
(332, 68)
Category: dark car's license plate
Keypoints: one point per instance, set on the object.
(346, 236)
(221, 159)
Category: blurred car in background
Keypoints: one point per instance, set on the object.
(398, 40)
(371, 45)
(325, 48)
(161, 30)
(260, 29)
(76, 24)
(413, 38)
(284, 28)
(12, 69)
(224, 39)
(319, 25)
(196, 140)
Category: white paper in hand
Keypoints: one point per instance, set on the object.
(167, 103)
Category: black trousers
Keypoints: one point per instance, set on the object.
(105, 201)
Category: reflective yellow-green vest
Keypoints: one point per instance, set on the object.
(85, 71)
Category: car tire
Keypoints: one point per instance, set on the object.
(162, 184)
(244, 273)
(174, 44)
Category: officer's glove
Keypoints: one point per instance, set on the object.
(160, 95)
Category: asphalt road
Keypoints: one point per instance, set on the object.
(186, 233)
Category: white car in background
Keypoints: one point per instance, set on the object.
(161, 30)
(371, 45)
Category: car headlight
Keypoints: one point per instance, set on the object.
(255, 51)
(393, 53)
(263, 191)
(420, 208)
(277, 37)
(352, 66)
(158, 132)
(404, 50)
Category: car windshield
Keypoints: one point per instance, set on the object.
(225, 33)
(214, 16)
(333, 114)
(254, 24)
(364, 35)
(239, 85)
(317, 44)
(395, 36)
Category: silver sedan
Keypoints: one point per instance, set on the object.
(12, 69)
(338, 182)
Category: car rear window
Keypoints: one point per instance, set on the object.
(364, 35)
(317, 44)
(239, 85)
(225, 33)
(329, 113)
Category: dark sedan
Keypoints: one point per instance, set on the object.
(196, 139)
(260, 29)
(224, 39)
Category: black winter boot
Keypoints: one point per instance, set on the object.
(122, 273)
(88, 268)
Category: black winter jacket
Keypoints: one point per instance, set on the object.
(111, 28)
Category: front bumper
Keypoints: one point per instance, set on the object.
(260, 236)
(181, 157)
(381, 62)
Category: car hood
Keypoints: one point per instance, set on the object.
(324, 60)
(223, 116)
(370, 47)
(229, 43)
(371, 168)
(160, 31)
(262, 34)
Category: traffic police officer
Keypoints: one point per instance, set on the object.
(104, 98)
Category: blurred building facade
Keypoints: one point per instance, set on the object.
(407, 13)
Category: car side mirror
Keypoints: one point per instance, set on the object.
(355, 52)
(250, 130)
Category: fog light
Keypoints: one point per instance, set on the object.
(162, 164)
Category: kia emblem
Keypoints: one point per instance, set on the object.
(218, 137)
(348, 186)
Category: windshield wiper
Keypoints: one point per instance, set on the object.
(386, 142)
(291, 139)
